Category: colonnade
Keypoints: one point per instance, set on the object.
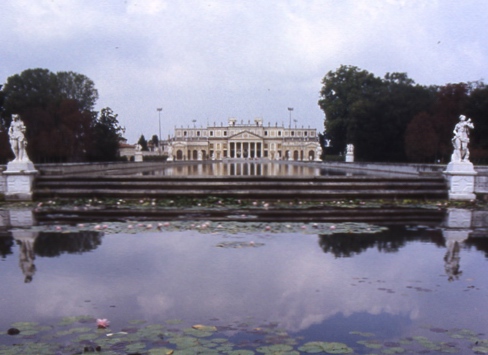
(246, 149)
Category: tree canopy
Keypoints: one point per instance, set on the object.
(394, 119)
(58, 111)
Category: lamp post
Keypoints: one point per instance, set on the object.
(290, 109)
(159, 109)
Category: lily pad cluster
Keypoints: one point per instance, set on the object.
(247, 225)
(80, 335)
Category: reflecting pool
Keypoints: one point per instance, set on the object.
(246, 168)
(252, 284)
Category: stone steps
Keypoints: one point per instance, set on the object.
(321, 187)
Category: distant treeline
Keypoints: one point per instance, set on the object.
(392, 119)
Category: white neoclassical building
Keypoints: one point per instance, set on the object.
(251, 140)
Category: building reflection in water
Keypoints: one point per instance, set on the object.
(242, 168)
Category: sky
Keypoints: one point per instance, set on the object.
(205, 61)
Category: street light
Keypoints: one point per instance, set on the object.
(159, 140)
(290, 109)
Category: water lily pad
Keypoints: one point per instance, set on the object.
(205, 328)
(481, 349)
(25, 325)
(371, 344)
(277, 349)
(77, 319)
(136, 347)
(394, 350)
(198, 333)
(325, 347)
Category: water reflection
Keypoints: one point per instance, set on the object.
(301, 281)
(245, 168)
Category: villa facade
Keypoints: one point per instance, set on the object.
(241, 140)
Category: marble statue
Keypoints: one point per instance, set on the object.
(16, 133)
(460, 140)
(138, 147)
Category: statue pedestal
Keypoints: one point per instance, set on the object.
(19, 180)
(349, 158)
(138, 157)
(460, 177)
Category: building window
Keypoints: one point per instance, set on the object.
(305, 133)
(266, 133)
(292, 133)
(185, 133)
(225, 133)
(279, 133)
(198, 133)
(211, 133)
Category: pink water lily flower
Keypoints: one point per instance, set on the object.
(102, 323)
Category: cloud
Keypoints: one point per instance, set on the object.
(219, 58)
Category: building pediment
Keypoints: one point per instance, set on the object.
(245, 135)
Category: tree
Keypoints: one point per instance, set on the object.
(105, 137)
(370, 112)
(477, 109)
(57, 111)
(142, 141)
(77, 87)
(421, 139)
(399, 101)
(155, 141)
(345, 99)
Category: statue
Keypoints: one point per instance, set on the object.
(16, 133)
(461, 139)
(138, 147)
(350, 149)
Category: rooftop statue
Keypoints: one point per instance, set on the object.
(18, 143)
(460, 140)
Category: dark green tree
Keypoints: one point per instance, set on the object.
(105, 137)
(346, 98)
(155, 141)
(143, 142)
(74, 86)
(400, 100)
(57, 109)
(421, 139)
(370, 112)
